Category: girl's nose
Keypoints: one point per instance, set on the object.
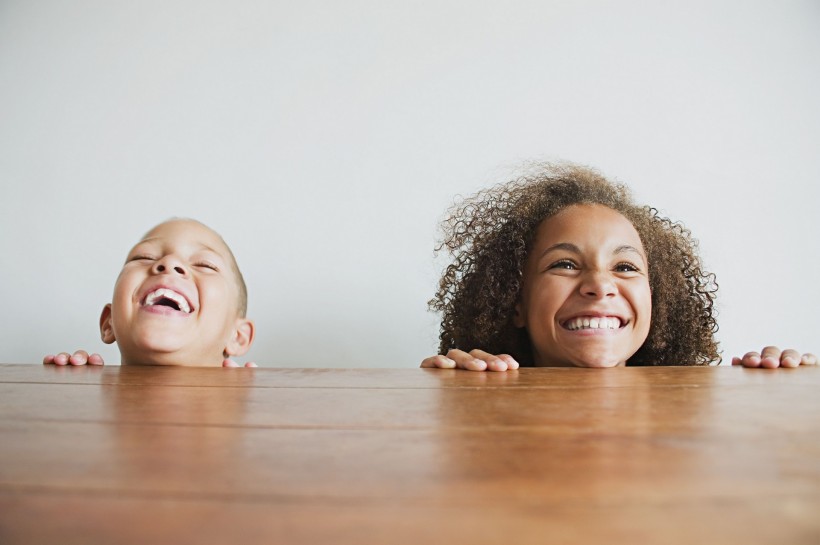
(598, 284)
(169, 265)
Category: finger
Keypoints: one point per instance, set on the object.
(789, 358)
(95, 359)
(511, 363)
(438, 362)
(750, 359)
(80, 357)
(808, 359)
(61, 358)
(466, 361)
(770, 357)
(494, 363)
(736, 361)
(250, 364)
(48, 360)
(227, 362)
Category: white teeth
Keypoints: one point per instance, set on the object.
(165, 293)
(585, 322)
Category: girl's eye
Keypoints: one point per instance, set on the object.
(564, 264)
(206, 265)
(626, 267)
(141, 257)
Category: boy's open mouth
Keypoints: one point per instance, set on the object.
(167, 298)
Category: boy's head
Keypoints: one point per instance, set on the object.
(179, 299)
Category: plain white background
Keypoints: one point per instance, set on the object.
(324, 140)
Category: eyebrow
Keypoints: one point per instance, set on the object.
(570, 247)
(153, 239)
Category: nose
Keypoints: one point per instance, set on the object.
(169, 264)
(598, 284)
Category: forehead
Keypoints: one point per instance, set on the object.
(588, 223)
(185, 233)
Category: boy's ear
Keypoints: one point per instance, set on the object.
(518, 317)
(106, 329)
(242, 338)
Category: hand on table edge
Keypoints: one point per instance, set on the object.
(771, 357)
(474, 360)
(228, 362)
(80, 357)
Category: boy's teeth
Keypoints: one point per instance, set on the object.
(586, 322)
(165, 293)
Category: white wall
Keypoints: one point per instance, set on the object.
(325, 139)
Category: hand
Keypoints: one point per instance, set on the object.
(475, 360)
(228, 362)
(80, 357)
(771, 357)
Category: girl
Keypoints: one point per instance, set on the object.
(562, 268)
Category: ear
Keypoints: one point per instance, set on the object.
(518, 317)
(106, 328)
(241, 339)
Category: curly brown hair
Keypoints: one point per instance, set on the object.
(490, 234)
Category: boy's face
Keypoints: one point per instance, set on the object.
(585, 299)
(176, 300)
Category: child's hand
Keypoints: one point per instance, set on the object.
(80, 357)
(228, 362)
(772, 357)
(475, 360)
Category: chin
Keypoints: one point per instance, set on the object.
(599, 364)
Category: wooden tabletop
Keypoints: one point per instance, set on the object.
(661, 455)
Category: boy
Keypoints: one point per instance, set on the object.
(180, 299)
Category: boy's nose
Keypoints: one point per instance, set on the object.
(169, 264)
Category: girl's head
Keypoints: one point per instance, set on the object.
(562, 268)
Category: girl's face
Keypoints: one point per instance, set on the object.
(585, 300)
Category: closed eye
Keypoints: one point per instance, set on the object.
(206, 265)
(141, 257)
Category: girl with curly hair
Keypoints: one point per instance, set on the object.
(563, 268)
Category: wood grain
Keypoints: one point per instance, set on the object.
(655, 455)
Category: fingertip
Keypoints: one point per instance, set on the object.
(477, 365)
(736, 361)
(251, 364)
(438, 362)
(751, 361)
(443, 362)
(48, 359)
(497, 364)
(511, 363)
(789, 361)
(769, 362)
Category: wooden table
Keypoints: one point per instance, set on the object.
(633, 455)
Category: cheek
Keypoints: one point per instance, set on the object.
(543, 302)
(643, 306)
(127, 283)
